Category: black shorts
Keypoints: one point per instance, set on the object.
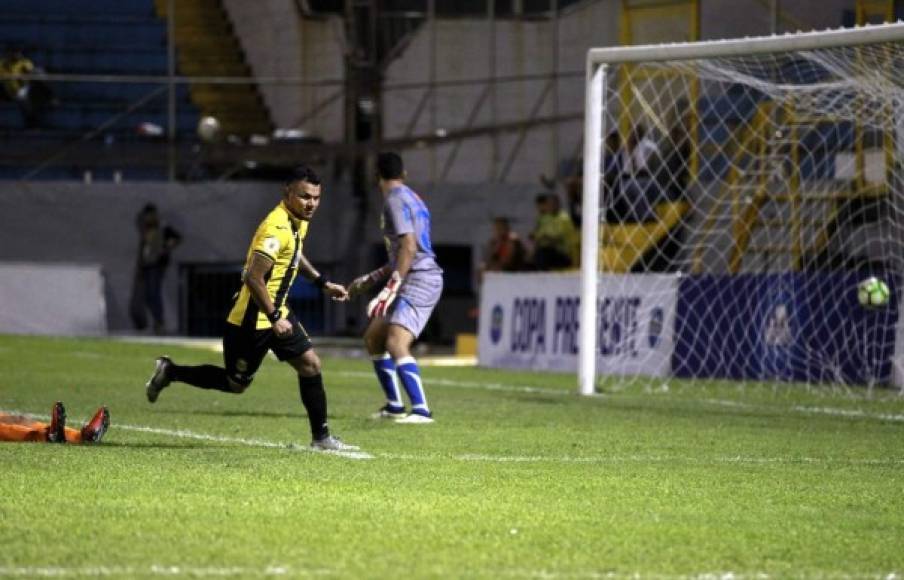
(244, 350)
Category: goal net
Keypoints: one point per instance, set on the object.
(735, 194)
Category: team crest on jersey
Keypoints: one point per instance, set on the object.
(271, 245)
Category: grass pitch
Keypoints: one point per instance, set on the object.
(519, 477)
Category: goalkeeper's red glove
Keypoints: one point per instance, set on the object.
(380, 305)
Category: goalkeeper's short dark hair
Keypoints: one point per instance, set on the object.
(303, 173)
(390, 166)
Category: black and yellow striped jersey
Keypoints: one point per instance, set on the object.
(279, 237)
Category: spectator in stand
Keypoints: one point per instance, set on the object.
(675, 172)
(574, 193)
(155, 244)
(571, 175)
(505, 251)
(555, 239)
(32, 97)
(617, 208)
(640, 161)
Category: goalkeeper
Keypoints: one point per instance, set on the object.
(413, 284)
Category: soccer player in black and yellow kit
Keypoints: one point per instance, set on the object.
(260, 320)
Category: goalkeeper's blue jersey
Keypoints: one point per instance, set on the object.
(404, 212)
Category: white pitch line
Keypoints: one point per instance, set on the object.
(856, 413)
(546, 574)
(186, 434)
(849, 413)
(158, 570)
(678, 459)
(481, 386)
(720, 402)
(486, 458)
(290, 571)
(359, 455)
(649, 459)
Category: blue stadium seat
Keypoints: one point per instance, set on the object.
(81, 119)
(106, 37)
(72, 34)
(137, 8)
(115, 94)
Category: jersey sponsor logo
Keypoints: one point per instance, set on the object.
(423, 217)
(271, 245)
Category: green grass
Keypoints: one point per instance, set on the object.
(518, 478)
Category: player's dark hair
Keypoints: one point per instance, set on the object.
(390, 166)
(303, 173)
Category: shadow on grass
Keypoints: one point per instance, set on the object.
(241, 413)
(541, 399)
(145, 445)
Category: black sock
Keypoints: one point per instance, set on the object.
(203, 377)
(313, 397)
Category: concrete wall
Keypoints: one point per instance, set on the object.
(74, 223)
(52, 299)
(270, 29)
(738, 18)
(279, 43)
(522, 47)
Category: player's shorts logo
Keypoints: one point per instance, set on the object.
(241, 365)
(496, 324)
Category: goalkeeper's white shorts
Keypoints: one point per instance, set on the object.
(416, 300)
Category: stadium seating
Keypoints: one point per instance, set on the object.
(624, 245)
(721, 114)
(116, 37)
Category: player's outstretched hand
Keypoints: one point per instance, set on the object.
(336, 291)
(359, 285)
(380, 305)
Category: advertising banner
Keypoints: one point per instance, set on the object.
(531, 320)
(787, 327)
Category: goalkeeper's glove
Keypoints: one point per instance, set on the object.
(380, 305)
(363, 283)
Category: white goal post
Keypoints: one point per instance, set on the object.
(606, 94)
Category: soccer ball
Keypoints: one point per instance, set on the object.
(208, 128)
(873, 293)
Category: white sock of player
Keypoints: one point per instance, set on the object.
(410, 376)
(385, 368)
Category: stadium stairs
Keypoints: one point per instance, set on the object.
(624, 247)
(762, 232)
(207, 46)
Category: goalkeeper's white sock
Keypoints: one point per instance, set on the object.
(410, 376)
(385, 368)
